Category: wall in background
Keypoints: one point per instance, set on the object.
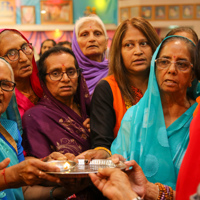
(166, 25)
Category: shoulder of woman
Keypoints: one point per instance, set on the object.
(35, 111)
(102, 89)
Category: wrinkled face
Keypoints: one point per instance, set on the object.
(65, 88)
(5, 96)
(92, 40)
(171, 79)
(46, 46)
(136, 52)
(22, 67)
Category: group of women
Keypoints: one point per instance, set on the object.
(139, 104)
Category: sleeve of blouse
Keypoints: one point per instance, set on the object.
(102, 116)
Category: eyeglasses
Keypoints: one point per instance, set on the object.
(182, 65)
(57, 74)
(13, 54)
(7, 85)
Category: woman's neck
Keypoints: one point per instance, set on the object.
(97, 58)
(71, 104)
(174, 106)
(24, 85)
(140, 82)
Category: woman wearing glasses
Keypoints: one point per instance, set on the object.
(57, 122)
(15, 172)
(16, 50)
(158, 134)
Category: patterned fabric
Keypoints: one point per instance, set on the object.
(120, 105)
(138, 96)
(93, 71)
(143, 136)
(52, 126)
(8, 151)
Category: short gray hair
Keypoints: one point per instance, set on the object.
(92, 17)
(9, 67)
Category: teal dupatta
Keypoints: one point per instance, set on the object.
(143, 136)
(6, 151)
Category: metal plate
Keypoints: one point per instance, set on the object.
(82, 168)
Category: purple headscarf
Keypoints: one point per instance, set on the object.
(93, 71)
(53, 126)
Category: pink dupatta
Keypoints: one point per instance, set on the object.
(23, 102)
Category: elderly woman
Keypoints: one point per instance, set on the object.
(132, 47)
(190, 34)
(158, 136)
(20, 56)
(59, 121)
(89, 45)
(19, 172)
(56, 122)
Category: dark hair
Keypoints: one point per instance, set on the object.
(184, 29)
(64, 42)
(42, 68)
(197, 61)
(53, 41)
(116, 65)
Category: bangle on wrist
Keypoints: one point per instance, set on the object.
(51, 192)
(105, 149)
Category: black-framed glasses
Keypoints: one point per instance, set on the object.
(182, 65)
(58, 74)
(13, 54)
(7, 85)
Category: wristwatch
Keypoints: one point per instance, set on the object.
(137, 198)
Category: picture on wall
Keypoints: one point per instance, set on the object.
(124, 14)
(160, 12)
(146, 12)
(135, 12)
(28, 14)
(187, 11)
(8, 12)
(57, 13)
(198, 11)
(174, 12)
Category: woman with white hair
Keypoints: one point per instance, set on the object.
(89, 45)
(17, 174)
